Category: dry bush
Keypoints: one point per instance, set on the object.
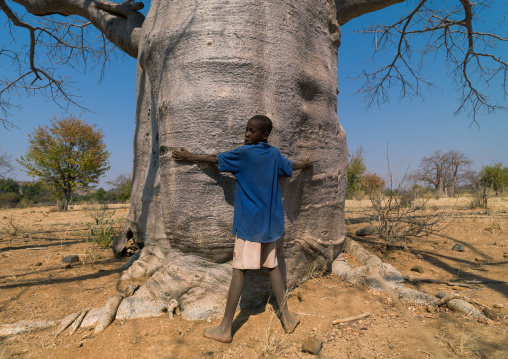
(479, 198)
(274, 344)
(400, 213)
(13, 230)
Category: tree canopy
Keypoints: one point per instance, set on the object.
(70, 154)
(355, 170)
(494, 177)
(121, 187)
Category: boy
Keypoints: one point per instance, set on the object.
(258, 216)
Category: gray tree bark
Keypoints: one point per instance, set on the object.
(204, 68)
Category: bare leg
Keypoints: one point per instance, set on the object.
(289, 320)
(222, 332)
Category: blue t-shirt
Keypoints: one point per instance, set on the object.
(259, 215)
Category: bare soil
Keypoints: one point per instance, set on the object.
(35, 285)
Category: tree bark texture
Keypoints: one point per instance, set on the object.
(204, 69)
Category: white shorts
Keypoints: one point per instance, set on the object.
(254, 255)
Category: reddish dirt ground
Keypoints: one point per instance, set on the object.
(35, 286)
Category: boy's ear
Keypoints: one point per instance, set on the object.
(266, 135)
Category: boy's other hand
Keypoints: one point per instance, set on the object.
(181, 155)
(305, 164)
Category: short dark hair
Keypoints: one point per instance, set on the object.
(264, 123)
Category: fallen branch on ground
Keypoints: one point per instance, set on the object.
(461, 283)
(350, 319)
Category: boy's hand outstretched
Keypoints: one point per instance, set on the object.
(181, 155)
(185, 156)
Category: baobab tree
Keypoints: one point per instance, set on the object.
(443, 171)
(203, 69)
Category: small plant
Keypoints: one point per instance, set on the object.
(315, 270)
(494, 227)
(102, 231)
(13, 230)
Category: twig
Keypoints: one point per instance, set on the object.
(456, 284)
(350, 319)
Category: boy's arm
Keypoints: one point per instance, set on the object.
(185, 156)
(307, 163)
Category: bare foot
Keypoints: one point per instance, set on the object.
(217, 333)
(291, 323)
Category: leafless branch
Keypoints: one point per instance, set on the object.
(474, 58)
(5, 164)
(67, 39)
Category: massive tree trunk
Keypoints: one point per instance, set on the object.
(204, 69)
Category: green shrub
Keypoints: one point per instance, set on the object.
(9, 200)
(102, 230)
(26, 202)
(355, 171)
(9, 186)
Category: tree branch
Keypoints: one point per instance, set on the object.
(120, 23)
(472, 56)
(54, 42)
(349, 9)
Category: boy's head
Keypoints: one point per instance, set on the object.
(258, 129)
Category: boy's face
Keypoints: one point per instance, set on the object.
(254, 134)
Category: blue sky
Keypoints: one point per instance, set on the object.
(412, 128)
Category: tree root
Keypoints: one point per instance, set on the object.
(78, 321)
(109, 313)
(177, 275)
(64, 324)
(144, 263)
(376, 274)
(23, 326)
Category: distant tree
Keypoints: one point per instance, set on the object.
(121, 187)
(355, 170)
(9, 186)
(373, 183)
(100, 194)
(494, 177)
(443, 171)
(5, 164)
(68, 155)
(9, 193)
